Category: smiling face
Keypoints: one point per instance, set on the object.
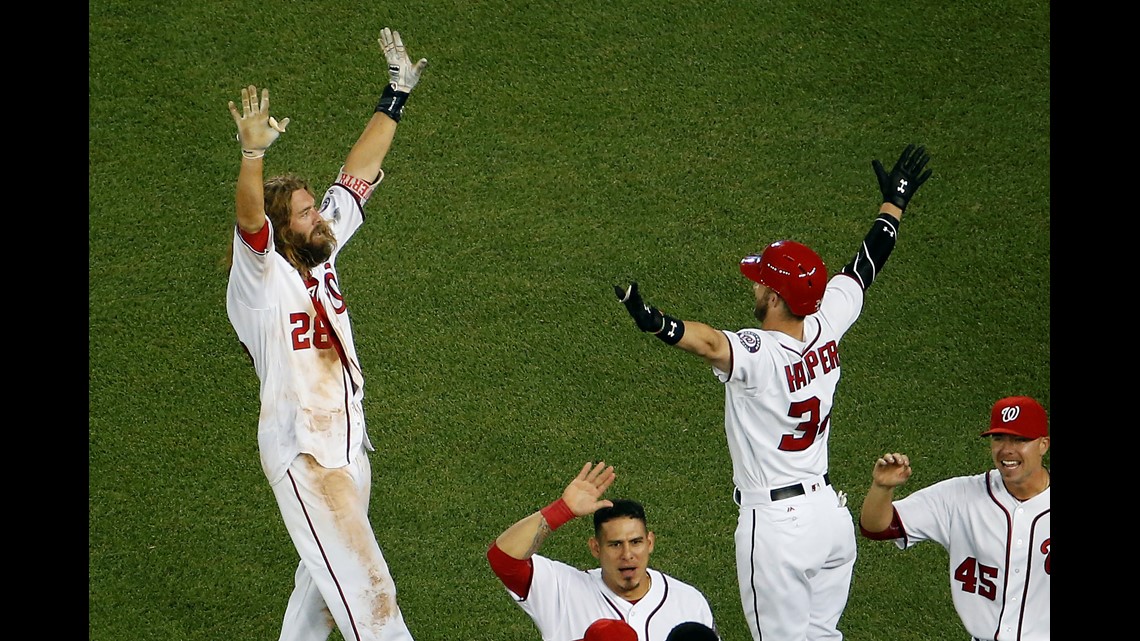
(1019, 460)
(622, 547)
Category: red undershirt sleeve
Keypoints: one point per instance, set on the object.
(258, 240)
(894, 530)
(514, 574)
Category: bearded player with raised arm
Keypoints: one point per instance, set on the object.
(795, 537)
(286, 303)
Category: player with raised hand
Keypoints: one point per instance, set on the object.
(995, 526)
(795, 536)
(565, 602)
(288, 307)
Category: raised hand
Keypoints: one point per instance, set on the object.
(256, 128)
(648, 319)
(402, 74)
(905, 178)
(891, 470)
(583, 494)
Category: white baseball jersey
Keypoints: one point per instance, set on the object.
(999, 552)
(299, 335)
(779, 394)
(564, 601)
(795, 554)
(311, 394)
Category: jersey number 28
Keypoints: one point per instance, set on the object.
(302, 323)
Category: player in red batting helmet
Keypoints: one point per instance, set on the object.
(780, 381)
(793, 271)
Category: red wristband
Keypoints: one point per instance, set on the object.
(557, 514)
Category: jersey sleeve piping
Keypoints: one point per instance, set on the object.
(360, 188)
(257, 241)
(894, 531)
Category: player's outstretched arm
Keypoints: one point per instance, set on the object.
(692, 336)
(257, 130)
(581, 497)
(891, 470)
(897, 188)
(367, 154)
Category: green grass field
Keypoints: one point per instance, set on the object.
(551, 150)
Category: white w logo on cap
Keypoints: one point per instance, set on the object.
(1010, 414)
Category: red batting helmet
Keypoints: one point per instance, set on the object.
(793, 271)
(610, 630)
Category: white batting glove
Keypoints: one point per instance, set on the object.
(256, 128)
(402, 74)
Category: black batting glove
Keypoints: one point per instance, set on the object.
(648, 319)
(905, 178)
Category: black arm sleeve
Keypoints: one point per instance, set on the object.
(873, 253)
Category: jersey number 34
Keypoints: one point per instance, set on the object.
(809, 428)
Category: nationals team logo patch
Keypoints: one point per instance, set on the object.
(751, 340)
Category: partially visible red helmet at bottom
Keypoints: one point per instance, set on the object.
(609, 630)
(793, 271)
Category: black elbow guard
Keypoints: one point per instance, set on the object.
(873, 253)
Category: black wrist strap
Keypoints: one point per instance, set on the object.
(672, 330)
(392, 103)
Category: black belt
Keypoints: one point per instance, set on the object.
(788, 492)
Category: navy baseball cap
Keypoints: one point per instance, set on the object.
(1020, 416)
(692, 631)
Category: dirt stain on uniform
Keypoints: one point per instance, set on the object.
(383, 601)
(345, 502)
(320, 420)
(331, 374)
(324, 401)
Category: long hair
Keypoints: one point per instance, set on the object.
(278, 201)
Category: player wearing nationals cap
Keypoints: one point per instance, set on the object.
(564, 601)
(795, 537)
(995, 525)
(290, 312)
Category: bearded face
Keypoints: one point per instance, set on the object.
(760, 311)
(315, 249)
